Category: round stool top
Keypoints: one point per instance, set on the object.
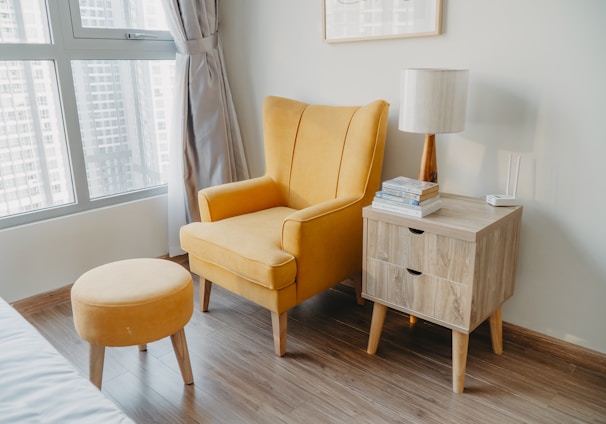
(132, 302)
(130, 281)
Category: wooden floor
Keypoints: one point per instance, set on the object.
(327, 376)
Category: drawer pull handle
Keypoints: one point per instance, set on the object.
(415, 231)
(413, 272)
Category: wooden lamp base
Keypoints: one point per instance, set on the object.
(428, 170)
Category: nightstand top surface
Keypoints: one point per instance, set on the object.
(460, 216)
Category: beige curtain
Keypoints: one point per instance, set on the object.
(206, 146)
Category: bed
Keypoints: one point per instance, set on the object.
(38, 385)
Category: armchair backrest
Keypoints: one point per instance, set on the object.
(317, 153)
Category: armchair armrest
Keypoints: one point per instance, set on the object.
(326, 240)
(237, 198)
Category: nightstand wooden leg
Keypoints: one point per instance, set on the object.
(413, 319)
(496, 331)
(376, 327)
(460, 341)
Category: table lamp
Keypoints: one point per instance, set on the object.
(433, 101)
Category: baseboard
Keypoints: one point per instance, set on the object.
(41, 301)
(181, 259)
(51, 298)
(569, 352)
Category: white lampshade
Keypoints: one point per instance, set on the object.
(433, 101)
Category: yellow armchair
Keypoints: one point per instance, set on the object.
(281, 238)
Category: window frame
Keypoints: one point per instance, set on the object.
(80, 32)
(64, 48)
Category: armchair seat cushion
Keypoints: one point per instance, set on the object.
(248, 245)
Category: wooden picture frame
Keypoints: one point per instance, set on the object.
(355, 20)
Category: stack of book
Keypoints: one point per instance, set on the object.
(408, 196)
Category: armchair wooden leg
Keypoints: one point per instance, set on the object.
(205, 287)
(357, 284)
(95, 364)
(180, 347)
(355, 281)
(278, 323)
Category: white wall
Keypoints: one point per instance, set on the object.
(537, 88)
(44, 256)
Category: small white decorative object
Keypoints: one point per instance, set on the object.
(507, 199)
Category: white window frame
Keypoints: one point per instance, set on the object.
(79, 31)
(64, 48)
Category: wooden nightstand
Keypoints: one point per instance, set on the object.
(455, 268)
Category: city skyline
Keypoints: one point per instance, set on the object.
(124, 109)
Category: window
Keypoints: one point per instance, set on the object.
(83, 108)
(24, 22)
(112, 148)
(32, 130)
(119, 19)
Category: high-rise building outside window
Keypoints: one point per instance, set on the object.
(85, 104)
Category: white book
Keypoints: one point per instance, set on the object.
(409, 185)
(403, 210)
(397, 200)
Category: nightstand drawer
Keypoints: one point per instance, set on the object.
(417, 293)
(396, 244)
(423, 251)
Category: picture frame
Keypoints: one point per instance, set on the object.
(355, 20)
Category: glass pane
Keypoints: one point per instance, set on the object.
(124, 107)
(24, 21)
(132, 14)
(34, 164)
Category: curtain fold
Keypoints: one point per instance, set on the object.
(206, 147)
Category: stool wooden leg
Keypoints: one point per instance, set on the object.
(142, 347)
(278, 324)
(182, 353)
(95, 364)
(205, 287)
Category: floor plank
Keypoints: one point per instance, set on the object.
(326, 375)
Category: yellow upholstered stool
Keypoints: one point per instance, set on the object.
(133, 302)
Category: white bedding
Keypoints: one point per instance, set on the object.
(38, 385)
